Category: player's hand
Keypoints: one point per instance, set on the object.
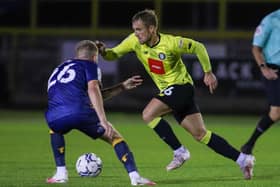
(101, 47)
(109, 131)
(132, 82)
(210, 80)
(269, 74)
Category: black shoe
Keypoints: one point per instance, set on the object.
(247, 149)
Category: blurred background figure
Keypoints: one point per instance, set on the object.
(266, 51)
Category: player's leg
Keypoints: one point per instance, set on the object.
(126, 157)
(92, 128)
(59, 128)
(263, 125)
(122, 150)
(152, 116)
(272, 88)
(194, 124)
(58, 148)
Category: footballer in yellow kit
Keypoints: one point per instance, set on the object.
(163, 61)
(161, 55)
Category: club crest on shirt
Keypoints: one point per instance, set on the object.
(161, 56)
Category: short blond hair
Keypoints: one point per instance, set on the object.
(148, 16)
(86, 49)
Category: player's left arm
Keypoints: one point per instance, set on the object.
(200, 51)
(128, 84)
(95, 97)
(209, 79)
(190, 46)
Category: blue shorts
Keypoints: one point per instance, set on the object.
(272, 88)
(86, 123)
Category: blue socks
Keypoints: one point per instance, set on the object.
(58, 147)
(125, 156)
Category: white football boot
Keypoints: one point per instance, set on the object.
(140, 181)
(179, 159)
(58, 178)
(247, 166)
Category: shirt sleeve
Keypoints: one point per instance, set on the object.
(124, 47)
(91, 70)
(189, 46)
(262, 32)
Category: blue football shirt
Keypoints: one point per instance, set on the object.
(67, 88)
(267, 36)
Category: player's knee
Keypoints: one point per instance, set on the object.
(275, 114)
(147, 118)
(116, 136)
(199, 134)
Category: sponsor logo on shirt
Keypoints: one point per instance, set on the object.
(156, 66)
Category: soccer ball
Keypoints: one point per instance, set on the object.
(89, 165)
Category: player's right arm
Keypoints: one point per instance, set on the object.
(260, 38)
(268, 73)
(128, 84)
(97, 102)
(118, 51)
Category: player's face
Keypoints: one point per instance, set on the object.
(142, 32)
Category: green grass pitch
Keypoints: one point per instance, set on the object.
(26, 157)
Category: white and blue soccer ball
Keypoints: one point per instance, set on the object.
(89, 165)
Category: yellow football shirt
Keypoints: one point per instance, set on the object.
(163, 61)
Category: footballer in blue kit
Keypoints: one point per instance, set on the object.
(75, 101)
(67, 96)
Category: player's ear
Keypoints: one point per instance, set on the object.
(152, 28)
(95, 58)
